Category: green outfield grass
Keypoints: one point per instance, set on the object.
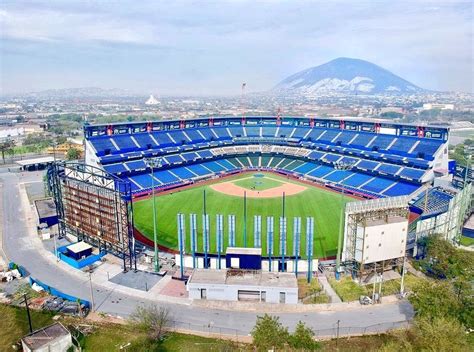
(321, 204)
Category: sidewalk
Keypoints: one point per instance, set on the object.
(323, 280)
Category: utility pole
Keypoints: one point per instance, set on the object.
(92, 292)
(154, 163)
(337, 334)
(402, 281)
(28, 312)
(340, 167)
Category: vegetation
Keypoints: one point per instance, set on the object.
(323, 205)
(153, 320)
(453, 294)
(467, 241)
(347, 289)
(461, 152)
(14, 324)
(439, 334)
(311, 293)
(73, 154)
(6, 147)
(269, 334)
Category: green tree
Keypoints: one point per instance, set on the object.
(73, 154)
(268, 333)
(6, 147)
(433, 299)
(439, 334)
(303, 338)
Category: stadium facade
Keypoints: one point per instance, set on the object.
(369, 159)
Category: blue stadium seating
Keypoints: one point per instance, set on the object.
(378, 185)
(413, 174)
(391, 157)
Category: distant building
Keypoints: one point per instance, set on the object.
(152, 101)
(53, 338)
(432, 106)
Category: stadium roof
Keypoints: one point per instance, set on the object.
(28, 162)
(345, 118)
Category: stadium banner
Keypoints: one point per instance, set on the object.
(282, 241)
(219, 237)
(296, 236)
(296, 241)
(309, 245)
(269, 241)
(181, 241)
(231, 221)
(257, 231)
(205, 237)
(193, 233)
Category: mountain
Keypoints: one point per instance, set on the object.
(345, 75)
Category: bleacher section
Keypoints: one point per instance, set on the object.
(379, 164)
(434, 203)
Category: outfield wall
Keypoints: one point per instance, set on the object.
(290, 263)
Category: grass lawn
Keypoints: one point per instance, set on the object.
(124, 337)
(311, 293)
(14, 324)
(258, 184)
(467, 241)
(348, 290)
(321, 204)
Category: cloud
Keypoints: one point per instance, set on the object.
(215, 45)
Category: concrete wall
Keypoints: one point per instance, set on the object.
(230, 292)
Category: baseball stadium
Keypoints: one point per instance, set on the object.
(263, 166)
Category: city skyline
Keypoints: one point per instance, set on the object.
(205, 49)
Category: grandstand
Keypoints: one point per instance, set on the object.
(382, 159)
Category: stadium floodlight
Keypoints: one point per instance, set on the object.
(340, 166)
(154, 163)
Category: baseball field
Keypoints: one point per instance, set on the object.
(264, 196)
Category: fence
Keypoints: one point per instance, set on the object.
(53, 291)
(329, 333)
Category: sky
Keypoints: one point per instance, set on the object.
(211, 47)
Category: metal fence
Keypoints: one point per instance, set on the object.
(336, 330)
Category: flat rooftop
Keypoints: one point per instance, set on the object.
(241, 250)
(45, 208)
(243, 278)
(28, 162)
(79, 247)
(44, 336)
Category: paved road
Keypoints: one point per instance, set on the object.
(18, 246)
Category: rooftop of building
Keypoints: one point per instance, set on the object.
(45, 208)
(243, 278)
(44, 336)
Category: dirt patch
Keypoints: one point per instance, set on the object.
(231, 189)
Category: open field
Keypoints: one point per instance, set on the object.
(319, 203)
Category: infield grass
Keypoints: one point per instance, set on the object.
(258, 184)
(323, 205)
